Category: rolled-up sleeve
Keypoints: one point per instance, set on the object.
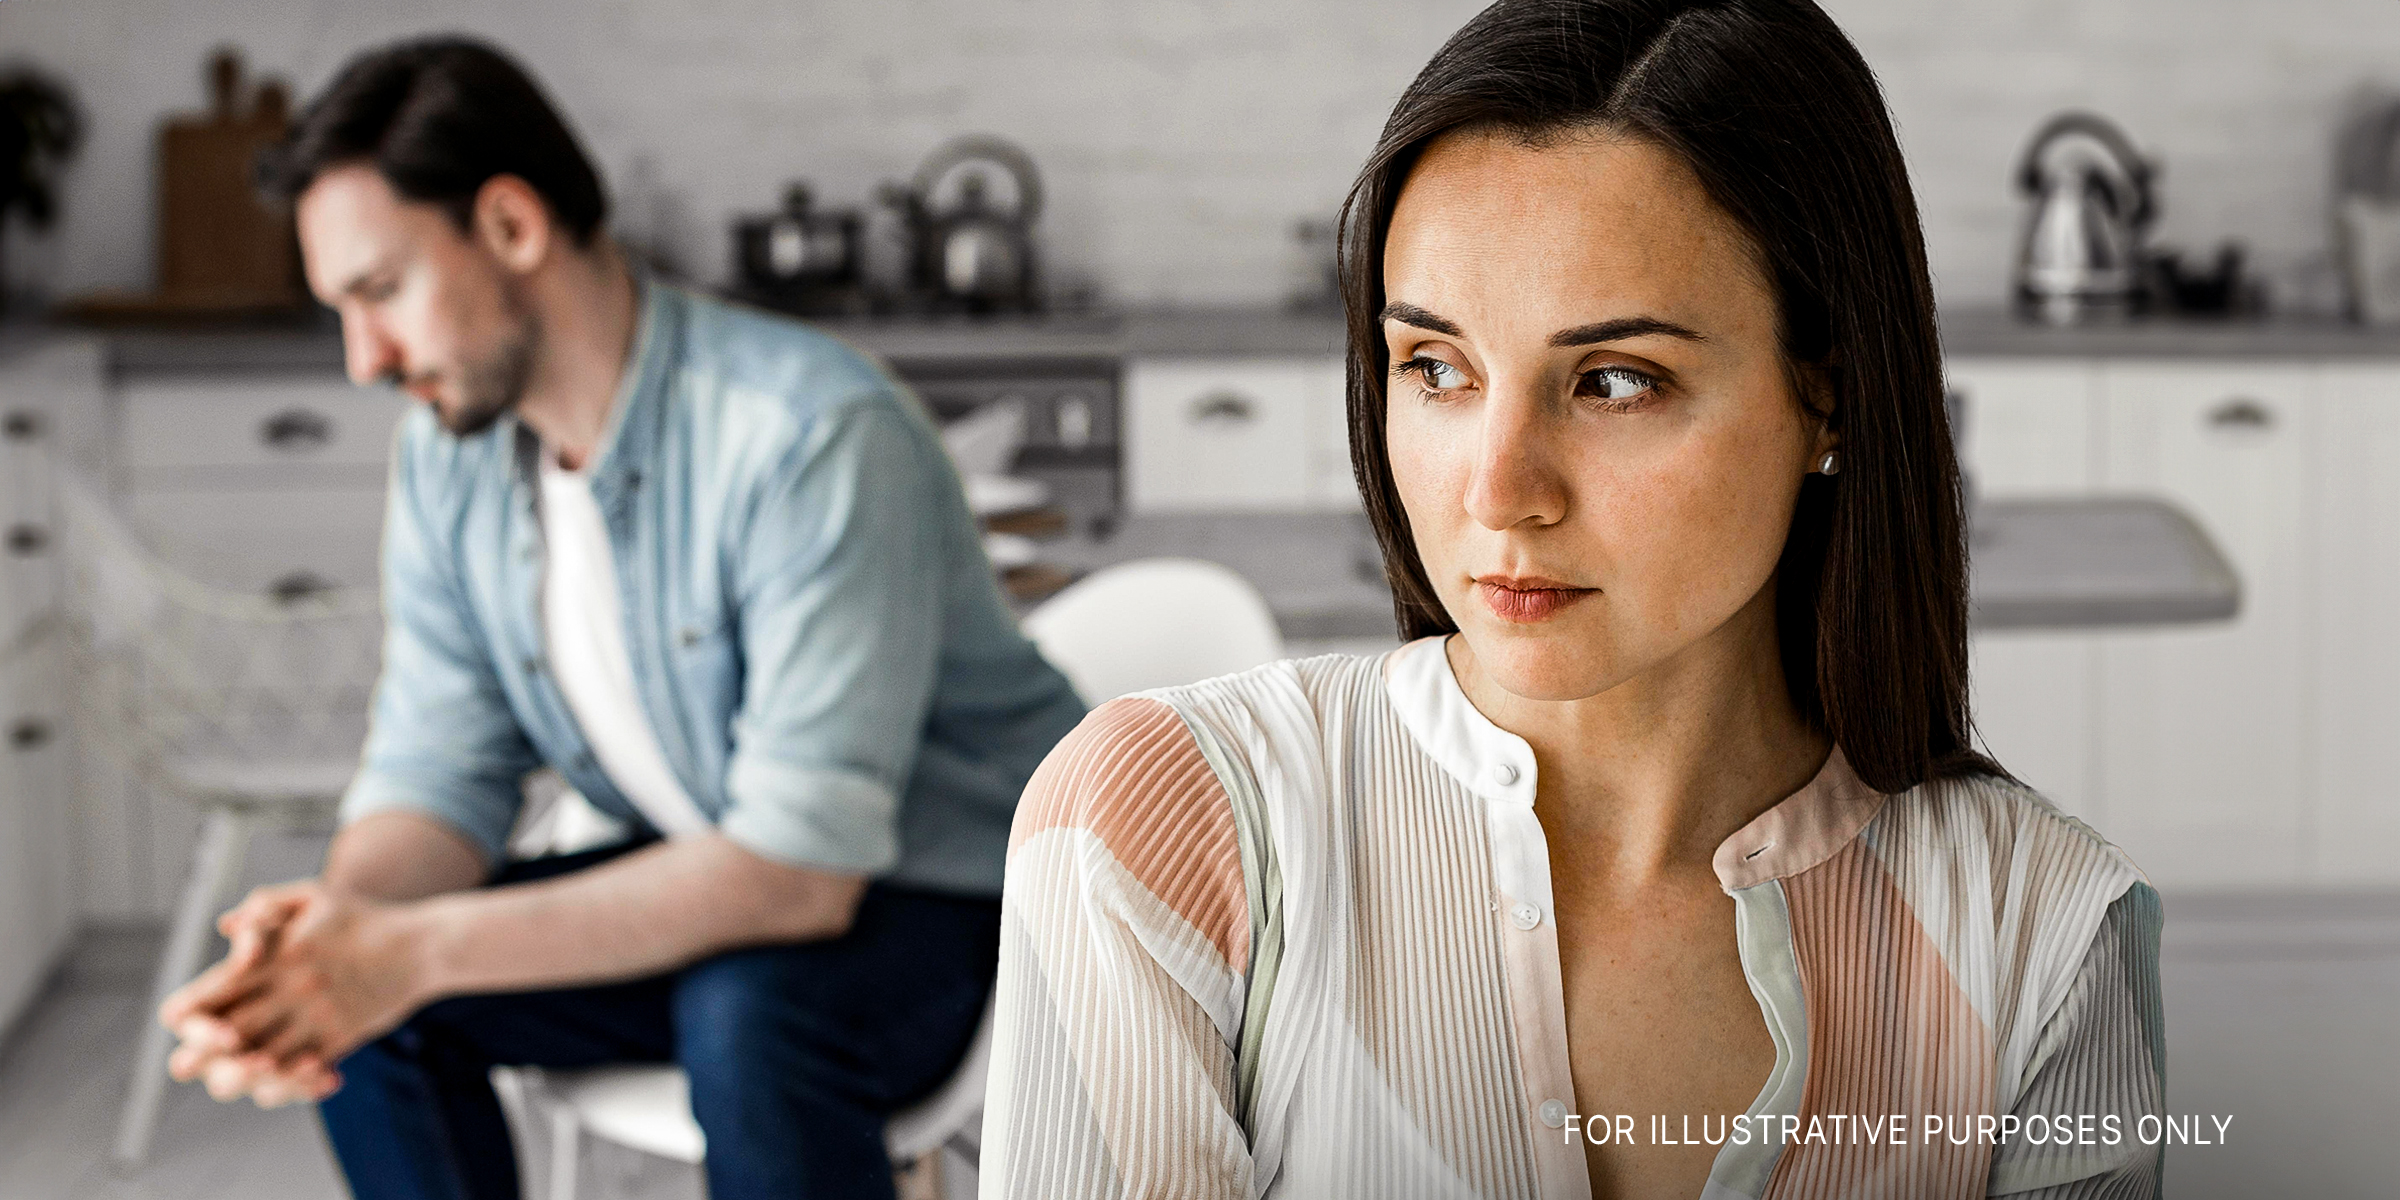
(443, 740)
(841, 627)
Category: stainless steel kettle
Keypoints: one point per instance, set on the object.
(2082, 255)
(971, 251)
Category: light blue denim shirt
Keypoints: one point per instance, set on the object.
(815, 633)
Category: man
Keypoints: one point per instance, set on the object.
(713, 567)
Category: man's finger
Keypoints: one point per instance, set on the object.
(188, 1061)
(275, 1091)
(263, 909)
(215, 990)
(296, 1039)
(228, 1078)
(259, 1016)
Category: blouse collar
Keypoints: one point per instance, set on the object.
(1799, 832)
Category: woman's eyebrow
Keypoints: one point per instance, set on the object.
(1622, 328)
(1409, 314)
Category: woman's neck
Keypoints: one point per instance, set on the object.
(1641, 782)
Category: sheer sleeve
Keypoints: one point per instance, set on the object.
(1124, 941)
(2103, 1053)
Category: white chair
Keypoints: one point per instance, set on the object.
(1154, 622)
(650, 1109)
(1142, 624)
(250, 707)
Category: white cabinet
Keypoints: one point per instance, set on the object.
(2030, 427)
(2204, 768)
(1234, 434)
(2354, 719)
(2246, 753)
(37, 902)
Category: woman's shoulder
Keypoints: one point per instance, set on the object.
(1132, 804)
(2009, 828)
(1997, 874)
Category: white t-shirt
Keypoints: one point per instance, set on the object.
(584, 624)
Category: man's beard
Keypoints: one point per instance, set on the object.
(491, 386)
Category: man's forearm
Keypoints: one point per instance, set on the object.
(397, 856)
(653, 910)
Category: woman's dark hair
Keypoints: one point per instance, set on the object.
(1774, 110)
(439, 117)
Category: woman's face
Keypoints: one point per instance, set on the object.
(1590, 423)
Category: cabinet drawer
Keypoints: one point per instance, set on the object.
(262, 540)
(2204, 774)
(1220, 434)
(28, 537)
(171, 426)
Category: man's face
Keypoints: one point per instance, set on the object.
(425, 307)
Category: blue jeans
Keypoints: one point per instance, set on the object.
(796, 1055)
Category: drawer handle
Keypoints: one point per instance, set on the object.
(21, 425)
(2241, 413)
(299, 586)
(296, 429)
(27, 540)
(1074, 422)
(1224, 408)
(32, 733)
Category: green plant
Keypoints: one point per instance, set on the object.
(39, 131)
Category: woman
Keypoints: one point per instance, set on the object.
(1658, 863)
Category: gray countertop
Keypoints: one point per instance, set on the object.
(1200, 332)
(1970, 331)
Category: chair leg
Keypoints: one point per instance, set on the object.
(216, 864)
(566, 1148)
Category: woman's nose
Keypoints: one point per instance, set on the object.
(1515, 478)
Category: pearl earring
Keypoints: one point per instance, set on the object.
(1828, 465)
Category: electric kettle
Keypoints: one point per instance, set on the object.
(2082, 254)
(972, 251)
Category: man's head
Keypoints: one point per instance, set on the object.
(431, 183)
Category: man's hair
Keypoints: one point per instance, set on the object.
(438, 118)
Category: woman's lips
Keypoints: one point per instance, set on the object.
(1528, 599)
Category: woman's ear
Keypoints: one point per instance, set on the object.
(1821, 402)
(513, 223)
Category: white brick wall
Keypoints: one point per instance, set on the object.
(1180, 138)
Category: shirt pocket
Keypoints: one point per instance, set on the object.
(704, 649)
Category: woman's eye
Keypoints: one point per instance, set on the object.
(1615, 387)
(1435, 374)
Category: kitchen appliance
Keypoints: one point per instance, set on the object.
(970, 252)
(2222, 290)
(1062, 414)
(801, 259)
(2092, 201)
(2367, 209)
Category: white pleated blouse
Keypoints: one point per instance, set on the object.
(1289, 933)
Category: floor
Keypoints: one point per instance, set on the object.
(2283, 1013)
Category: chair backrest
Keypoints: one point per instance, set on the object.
(1154, 622)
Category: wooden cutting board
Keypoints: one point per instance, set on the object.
(223, 251)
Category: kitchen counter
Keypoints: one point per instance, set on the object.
(1266, 332)
(2101, 562)
(1973, 332)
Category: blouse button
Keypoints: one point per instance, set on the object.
(1554, 1114)
(1526, 916)
(1506, 773)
